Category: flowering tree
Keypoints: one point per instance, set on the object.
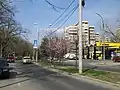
(57, 47)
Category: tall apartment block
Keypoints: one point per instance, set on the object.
(88, 34)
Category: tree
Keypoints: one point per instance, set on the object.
(116, 36)
(55, 48)
(113, 35)
(43, 47)
(10, 30)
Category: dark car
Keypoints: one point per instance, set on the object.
(4, 68)
(116, 59)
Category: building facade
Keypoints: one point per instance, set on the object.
(71, 34)
(89, 36)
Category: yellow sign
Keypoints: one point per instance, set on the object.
(105, 44)
(110, 44)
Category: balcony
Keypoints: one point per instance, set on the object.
(73, 31)
(92, 32)
(91, 37)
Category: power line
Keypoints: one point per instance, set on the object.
(72, 12)
(54, 6)
(55, 21)
(62, 14)
(63, 18)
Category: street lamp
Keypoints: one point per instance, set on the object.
(103, 40)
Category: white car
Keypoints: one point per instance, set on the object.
(70, 56)
(27, 59)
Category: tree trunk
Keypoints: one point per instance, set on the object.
(1, 49)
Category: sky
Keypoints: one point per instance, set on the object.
(38, 15)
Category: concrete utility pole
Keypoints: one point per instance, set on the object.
(103, 40)
(37, 41)
(80, 36)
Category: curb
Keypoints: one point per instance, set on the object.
(77, 76)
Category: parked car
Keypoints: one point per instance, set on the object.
(116, 59)
(11, 59)
(70, 56)
(26, 60)
(4, 68)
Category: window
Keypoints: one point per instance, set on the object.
(73, 30)
(91, 28)
(85, 22)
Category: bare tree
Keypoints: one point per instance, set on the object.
(9, 28)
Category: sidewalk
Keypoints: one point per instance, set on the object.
(105, 63)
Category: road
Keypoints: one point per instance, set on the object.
(96, 64)
(33, 77)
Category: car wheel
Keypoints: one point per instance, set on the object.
(6, 74)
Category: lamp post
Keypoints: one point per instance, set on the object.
(103, 40)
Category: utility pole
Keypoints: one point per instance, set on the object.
(81, 4)
(33, 54)
(36, 49)
(37, 46)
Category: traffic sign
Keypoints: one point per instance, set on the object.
(35, 44)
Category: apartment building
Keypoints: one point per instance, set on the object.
(71, 34)
(97, 37)
(85, 36)
(91, 33)
(88, 35)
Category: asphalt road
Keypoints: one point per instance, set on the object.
(33, 77)
(96, 64)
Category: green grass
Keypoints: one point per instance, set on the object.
(68, 69)
(45, 63)
(102, 75)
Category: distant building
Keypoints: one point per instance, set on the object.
(85, 36)
(97, 37)
(71, 34)
(91, 34)
(89, 37)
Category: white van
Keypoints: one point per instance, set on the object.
(27, 59)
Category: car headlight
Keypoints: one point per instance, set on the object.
(24, 60)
